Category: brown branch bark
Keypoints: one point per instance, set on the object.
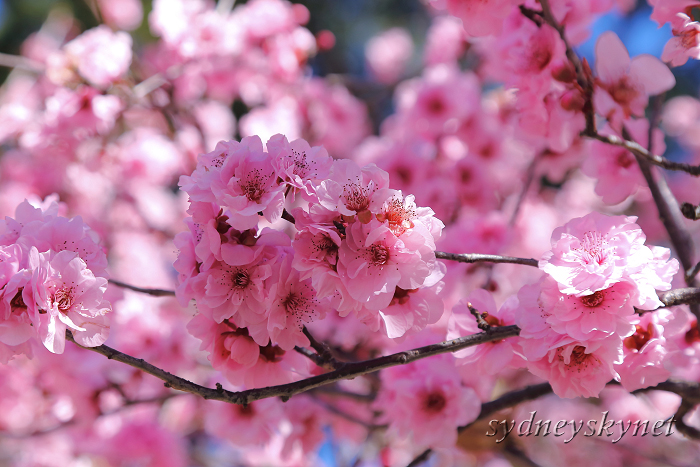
(479, 258)
(285, 391)
(154, 292)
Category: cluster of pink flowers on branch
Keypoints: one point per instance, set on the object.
(358, 247)
(52, 279)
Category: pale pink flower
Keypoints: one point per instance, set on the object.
(685, 42)
(243, 425)
(373, 262)
(645, 352)
(67, 295)
(349, 189)
(122, 14)
(490, 358)
(591, 253)
(241, 289)
(615, 168)
(446, 41)
(243, 362)
(426, 401)
(409, 311)
(537, 337)
(298, 164)
(294, 305)
(388, 53)
(579, 369)
(248, 185)
(596, 316)
(624, 85)
(100, 55)
(665, 11)
(15, 323)
(307, 423)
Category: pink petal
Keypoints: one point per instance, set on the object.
(612, 58)
(654, 75)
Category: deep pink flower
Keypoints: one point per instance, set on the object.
(349, 189)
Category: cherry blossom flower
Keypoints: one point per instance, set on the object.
(429, 407)
(388, 53)
(593, 252)
(490, 358)
(685, 42)
(66, 295)
(624, 85)
(579, 369)
(100, 55)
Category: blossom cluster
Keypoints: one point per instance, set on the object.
(52, 279)
(359, 247)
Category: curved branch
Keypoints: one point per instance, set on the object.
(479, 258)
(285, 391)
(154, 292)
(686, 296)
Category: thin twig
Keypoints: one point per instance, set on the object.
(288, 217)
(529, 177)
(689, 431)
(154, 292)
(639, 151)
(688, 390)
(691, 273)
(285, 391)
(480, 322)
(477, 258)
(323, 351)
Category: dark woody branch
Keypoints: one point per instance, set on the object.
(285, 391)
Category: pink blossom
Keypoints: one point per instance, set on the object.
(248, 185)
(294, 305)
(373, 262)
(597, 316)
(615, 168)
(15, 322)
(409, 311)
(446, 41)
(100, 55)
(243, 425)
(625, 85)
(579, 369)
(685, 42)
(122, 14)
(593, 252)
(298, 164)
(479, 18)
(388, 53)
(66, 295)
(645, 352)
(427, 402)
(490, 358)
(665, 11)
(349, 189)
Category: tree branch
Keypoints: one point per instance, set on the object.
(327, 359)
(285, 391)
(639, 151)
(477, 258)
(154, 292)
(688, 390)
